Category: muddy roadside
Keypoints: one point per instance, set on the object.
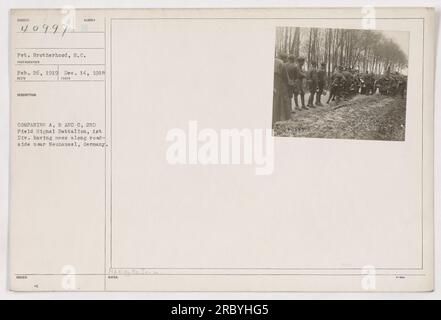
(373, 117)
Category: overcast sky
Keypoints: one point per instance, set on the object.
(399, 37)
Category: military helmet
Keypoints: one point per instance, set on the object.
(301, 59)
(291, 58)
(323, 64)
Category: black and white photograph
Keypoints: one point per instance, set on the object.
(144, 158)
(340, 83)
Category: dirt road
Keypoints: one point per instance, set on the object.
(373, 117)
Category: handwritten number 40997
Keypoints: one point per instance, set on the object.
(45, 28)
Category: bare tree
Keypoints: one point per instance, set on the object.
(366, 50)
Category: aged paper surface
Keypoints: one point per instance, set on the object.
(143, 156)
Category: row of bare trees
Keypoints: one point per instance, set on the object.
(365, 50)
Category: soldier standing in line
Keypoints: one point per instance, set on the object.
(401, 85)
(368, 82)
(292, 70)
(357, 81)
(312, 80)
(280, 90)
(364, 79)
(348, 80)
(287, 93)
(372, 79)
(321, 83)
(387, 82)
(298, 83)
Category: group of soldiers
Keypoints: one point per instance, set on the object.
(290, 79)
(392, 83)
(346, 81)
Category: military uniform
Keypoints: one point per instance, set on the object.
(280, 93)
(357, 81)
(312, 80)
(298, 77)
(348, 79)
(401, 86)
(383, 84)
(292, 72)
(368, 82)
(321, 83)
(337, 82)
(372, 86)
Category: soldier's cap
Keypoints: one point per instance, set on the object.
(301, 59)
(323, 64)
(313, 63)
(291, 57)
